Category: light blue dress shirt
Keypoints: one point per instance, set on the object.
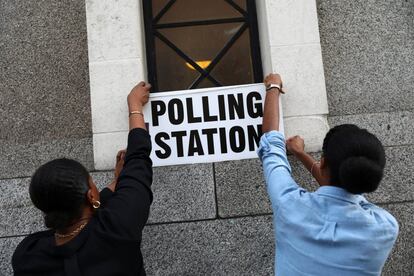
(328, 232)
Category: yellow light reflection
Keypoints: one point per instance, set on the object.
(202, 63)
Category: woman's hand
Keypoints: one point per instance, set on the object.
(120, 158)
(295, 145)
(271, 105)
(138, 96)
(273, 79)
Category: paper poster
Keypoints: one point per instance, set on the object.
(205, 125)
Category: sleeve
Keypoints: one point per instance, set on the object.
(126, 211)
(276, 167)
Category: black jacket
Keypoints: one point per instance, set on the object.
(110, 242)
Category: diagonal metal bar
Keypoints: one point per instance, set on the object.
(213, 80)
(220, 55)
(237, 7)
(179, 52)
(200, 22)
(186, 58)
(163, 10)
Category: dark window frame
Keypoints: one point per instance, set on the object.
(248, 16)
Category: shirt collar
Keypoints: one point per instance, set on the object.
(340, 193)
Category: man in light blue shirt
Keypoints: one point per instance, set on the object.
(335, 230)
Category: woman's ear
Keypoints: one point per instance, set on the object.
(93, 192)
(324, 169)
(322, 163)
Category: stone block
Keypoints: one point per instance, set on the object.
(240, 188)
(228, 247)
(103, 178)
(7, 247)
(301, 66)
(401, 260)
(396, 185)
(105, 148)
(20, 221)
(15, 193)
(114, 30)
(44, 94)
(183, 193)
(111, 83)
(22, 159)
(18, 216)
(392, 128)
(311, 128)
(368, 55)
(292, 22)
(44, 91)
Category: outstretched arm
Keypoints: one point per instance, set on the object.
(136, 100)
(127, 210)
(296, 146)
(272, 149)
(271, 106)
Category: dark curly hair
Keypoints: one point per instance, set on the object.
(355, 158)
(58, 188)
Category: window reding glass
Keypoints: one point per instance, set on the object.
(201, 43)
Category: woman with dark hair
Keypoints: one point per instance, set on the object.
(335, 230)
(92, 233)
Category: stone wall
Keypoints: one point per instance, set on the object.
(368, 52)
(209, 219)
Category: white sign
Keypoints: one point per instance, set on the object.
(205, 125)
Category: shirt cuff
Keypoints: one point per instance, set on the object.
(272, 141)
(272, 144)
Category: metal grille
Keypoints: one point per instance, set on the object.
(242, 12)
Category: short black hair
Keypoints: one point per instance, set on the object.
(355, 158)
(58, 188)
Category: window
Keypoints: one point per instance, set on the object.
(199, 43)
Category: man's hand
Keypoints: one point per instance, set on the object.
(138, 96)
(295, 145)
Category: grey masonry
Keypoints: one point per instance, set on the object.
(208, 219)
